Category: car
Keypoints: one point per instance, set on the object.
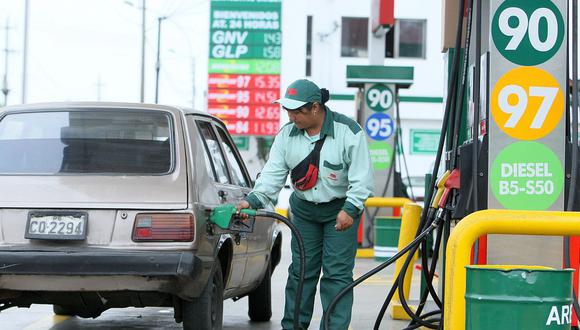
(106, 205)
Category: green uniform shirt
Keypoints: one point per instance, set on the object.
(345, 169)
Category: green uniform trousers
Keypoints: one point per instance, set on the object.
(325, 248)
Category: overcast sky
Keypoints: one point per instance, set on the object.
(74, 44)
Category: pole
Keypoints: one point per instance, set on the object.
(158, 63)
(5, 89)
(193, 83)
(143, 29)
(25, 52)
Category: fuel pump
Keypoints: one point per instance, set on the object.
(522, 148)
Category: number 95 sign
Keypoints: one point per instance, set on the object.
(379, 126)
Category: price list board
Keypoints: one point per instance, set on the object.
(244, 65)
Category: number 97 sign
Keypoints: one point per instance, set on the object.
(379, 126)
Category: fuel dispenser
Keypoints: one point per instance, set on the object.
(508, 94)
(377, 111)
(517, 75)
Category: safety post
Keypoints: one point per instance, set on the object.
(409, 225)
(546, 223)
(380, 202)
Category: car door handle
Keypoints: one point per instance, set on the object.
(222, 194)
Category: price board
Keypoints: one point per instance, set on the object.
(527, 104)
(244, 65)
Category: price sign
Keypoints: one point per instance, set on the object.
(245, 42)
(528, 32)
(379, 126)
(242, 81)
(252, 127)
(243, 96)
(250, 111)
(379, 98)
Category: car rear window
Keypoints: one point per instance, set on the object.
(87, 141)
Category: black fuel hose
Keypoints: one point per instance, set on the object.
(373, 271)
(300, 243)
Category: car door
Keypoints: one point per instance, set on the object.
(258, 240)
(225, 191)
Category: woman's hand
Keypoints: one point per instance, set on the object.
(243, 204)
(343, 221)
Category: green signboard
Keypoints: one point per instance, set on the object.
(242, 142)
(525, 180)
(245, 29)
(424, 141)
(381, 155)
(245, 46)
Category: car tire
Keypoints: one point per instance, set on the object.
(260, 300)
(206, 311)
(63, 310)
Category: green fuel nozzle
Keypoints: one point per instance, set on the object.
(226, 216)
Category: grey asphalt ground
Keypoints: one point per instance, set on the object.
(368, 298)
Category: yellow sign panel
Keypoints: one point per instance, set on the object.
(527, 103)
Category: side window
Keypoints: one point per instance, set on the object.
(215, 154)
(236, 172)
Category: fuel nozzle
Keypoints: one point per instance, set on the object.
(452, 182)
(227, 217)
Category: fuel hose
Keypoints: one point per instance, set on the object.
(300, 243)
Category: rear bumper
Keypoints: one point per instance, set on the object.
(100, 263)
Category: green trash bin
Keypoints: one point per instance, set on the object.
(518, 297)
(386, 237)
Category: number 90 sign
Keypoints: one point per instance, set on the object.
(379, 98)
(379, 126)
(528, 32)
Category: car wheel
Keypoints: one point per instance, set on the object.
(206, 311)
(62, 310)
(260, 300)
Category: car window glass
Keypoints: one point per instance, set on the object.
(89, 141)
(212, 146)
(235, 167)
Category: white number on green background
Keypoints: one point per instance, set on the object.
(530, 26)
(517, 110)
(383, 97)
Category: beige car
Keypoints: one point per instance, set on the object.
(106, 205)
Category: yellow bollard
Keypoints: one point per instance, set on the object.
(409, 225)
(493, 222)
(380, 202)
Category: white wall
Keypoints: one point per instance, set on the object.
(329, 68)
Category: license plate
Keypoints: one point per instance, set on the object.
(58, 225)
